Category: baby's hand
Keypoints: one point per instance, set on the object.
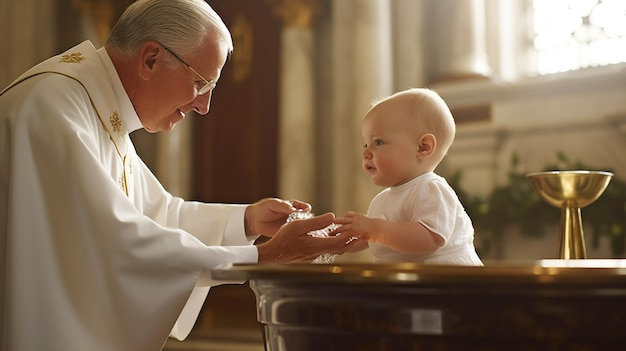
(356, 225)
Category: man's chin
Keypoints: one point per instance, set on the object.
(167, 127)
(151, 130)
(161, 128)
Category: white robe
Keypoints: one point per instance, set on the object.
(94, 253)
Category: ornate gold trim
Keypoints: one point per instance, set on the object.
(75, 57)
(243, 38)
(116, 122)
(296, 13)
(101, 12)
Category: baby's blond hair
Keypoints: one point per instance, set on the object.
(428, 112)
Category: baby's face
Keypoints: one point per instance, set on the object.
(390, 147)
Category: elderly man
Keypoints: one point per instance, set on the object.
(95, 254)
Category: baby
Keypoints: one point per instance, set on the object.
(418, 216)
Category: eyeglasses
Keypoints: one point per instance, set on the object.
(206, 85)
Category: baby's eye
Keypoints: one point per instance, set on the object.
(378, 142)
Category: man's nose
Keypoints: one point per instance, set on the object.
(202, 103)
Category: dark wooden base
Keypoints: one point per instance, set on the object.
(412, 307)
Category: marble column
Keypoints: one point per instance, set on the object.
(362, 69)
(297, 127)
(409, 51)
(458, 32)
(100, 17)
(174, 163)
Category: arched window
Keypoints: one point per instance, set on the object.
(567, 35)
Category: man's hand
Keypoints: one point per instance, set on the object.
(266, 216)
(292, 243)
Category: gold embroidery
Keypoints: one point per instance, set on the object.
(120, 141)
(122, 182)
(130, 167)
(75, 57)
(116, 122)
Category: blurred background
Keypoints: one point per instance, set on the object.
(533, 85)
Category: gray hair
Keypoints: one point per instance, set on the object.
(181, 25)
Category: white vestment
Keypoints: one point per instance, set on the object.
(94, 253)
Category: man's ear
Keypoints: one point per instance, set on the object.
(426, 145)
(148, 54)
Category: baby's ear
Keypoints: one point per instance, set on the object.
(426, 145)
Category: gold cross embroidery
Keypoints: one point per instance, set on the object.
(116, 122)
(75, 57)
(122, 182)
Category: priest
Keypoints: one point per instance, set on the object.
(94, 253)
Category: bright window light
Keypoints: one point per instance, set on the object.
(568, 35)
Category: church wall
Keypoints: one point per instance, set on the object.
(580, 115)
(27, 35)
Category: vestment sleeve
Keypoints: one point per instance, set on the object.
(107, 262)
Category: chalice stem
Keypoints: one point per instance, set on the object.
(572, 243)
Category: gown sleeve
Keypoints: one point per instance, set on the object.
(116, 271)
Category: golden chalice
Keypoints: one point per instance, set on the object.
(571, 191)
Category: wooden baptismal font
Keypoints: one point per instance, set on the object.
(538, 305)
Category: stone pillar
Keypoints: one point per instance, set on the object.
(174, 164)
(297, 127)
(459, 40)
(362, 69)
(408, 46)
(101, 16)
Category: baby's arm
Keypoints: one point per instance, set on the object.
(409, 237)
